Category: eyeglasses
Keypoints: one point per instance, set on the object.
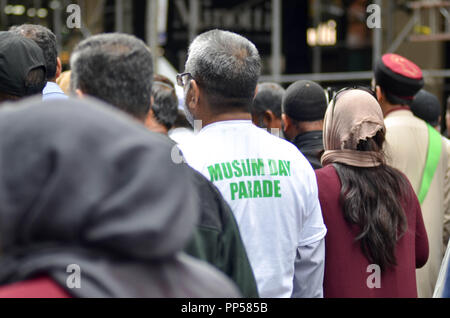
(183, 79)
(346, 89)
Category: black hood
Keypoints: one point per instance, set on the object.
(82, 182)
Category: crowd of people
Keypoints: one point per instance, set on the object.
(282, 193)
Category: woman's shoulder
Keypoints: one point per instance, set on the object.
(326, 174)
(42, 287)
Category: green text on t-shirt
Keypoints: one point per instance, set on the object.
(265, 188)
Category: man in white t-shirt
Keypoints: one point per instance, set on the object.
(269, 185)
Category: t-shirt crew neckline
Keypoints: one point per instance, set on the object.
(243, 122)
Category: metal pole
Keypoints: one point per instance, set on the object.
(3, 16)
(390, 22)
(194, 15)
(152, 30)
(377, 40)
(119, 15)
(37, 4)
(276, 39)
(57, 26)
(317, 51)
(404, 33)
(345, 76)
(433, 20)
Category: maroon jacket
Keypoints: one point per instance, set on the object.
(42, 287)
(346, 267)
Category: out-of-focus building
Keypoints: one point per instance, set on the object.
(296, 38)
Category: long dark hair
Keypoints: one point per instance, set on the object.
(371, 199)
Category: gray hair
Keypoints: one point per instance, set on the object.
(116, 68)
(227, 66)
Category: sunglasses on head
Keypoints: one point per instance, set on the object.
(341, 92)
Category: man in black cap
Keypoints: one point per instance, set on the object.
(304, 106)
(427, 107)
(266, 107)
(46, 40)
(417, 150)
(22, 67)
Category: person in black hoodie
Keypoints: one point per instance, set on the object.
(304, 106)
(100, 65)
(84, 185)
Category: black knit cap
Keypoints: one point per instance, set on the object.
(399, 76)
(305, 101)
(426, 106)
(18, 56)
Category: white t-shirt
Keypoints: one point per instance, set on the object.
(181, 135)
(272, 191)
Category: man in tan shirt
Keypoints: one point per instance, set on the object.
(397, 81)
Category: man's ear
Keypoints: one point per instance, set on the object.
(269, 118)
(287, 123)
(79, 93)
(58, 68)
(193, 95)
(149, 119)
(379, 93)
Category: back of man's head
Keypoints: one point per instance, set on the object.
(227, 67)
(399, 79)
(305, 101)
(116, 68)
(165, 101)
(22, 67)
(46, 40)
(427, 107)
(268, 98)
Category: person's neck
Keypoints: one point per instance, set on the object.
(389, 108)
(304, 127)
(238, 115)
(156, 127)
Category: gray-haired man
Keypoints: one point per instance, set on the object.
(269, 185)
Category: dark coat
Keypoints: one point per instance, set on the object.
(311, 146)
(217, 239)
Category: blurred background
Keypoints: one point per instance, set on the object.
(328, 41)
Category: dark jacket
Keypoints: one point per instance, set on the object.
(311, 146)
(85, 185)
(217, 239)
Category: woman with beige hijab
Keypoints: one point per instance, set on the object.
(376, 237)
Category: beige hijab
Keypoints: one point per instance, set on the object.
(357, 116)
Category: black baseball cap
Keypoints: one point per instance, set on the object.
(305, 101)
(19, 56)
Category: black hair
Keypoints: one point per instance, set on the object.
(165, 101)
(116, 68)
(269, 97)
(371, 199)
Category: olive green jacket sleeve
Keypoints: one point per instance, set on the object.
(217, 240)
